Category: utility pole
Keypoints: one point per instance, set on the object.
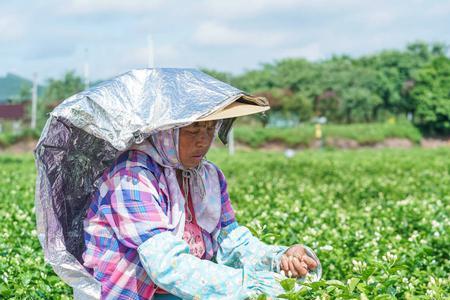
(151, 53)
(34, 101)
(231, 141)
(86, 68)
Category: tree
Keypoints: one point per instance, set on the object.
(60, 89)
(299, 104)
(55, 92)
(222, 76)
(345, 89)
(431, 95)
(359, 103)
(295, 74)
(25, 92)
(256, 80)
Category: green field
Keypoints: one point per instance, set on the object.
(378, 219)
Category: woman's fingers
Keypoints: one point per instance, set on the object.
(292, 267)
(311, 263)
(300, 267)
(296, 262)
(295, 266)
(284, 263)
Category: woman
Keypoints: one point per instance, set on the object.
(161, 225)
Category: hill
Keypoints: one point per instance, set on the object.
(11, 86)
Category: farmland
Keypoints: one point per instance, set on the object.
(378, 219)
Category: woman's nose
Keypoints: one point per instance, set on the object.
(202, 139)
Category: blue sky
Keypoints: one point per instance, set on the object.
(50, 37)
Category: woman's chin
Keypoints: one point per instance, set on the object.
(192, 164)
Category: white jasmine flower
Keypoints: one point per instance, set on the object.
(326, 248)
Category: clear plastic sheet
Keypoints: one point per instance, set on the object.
(88, 130)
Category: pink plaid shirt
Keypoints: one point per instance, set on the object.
(128, 207)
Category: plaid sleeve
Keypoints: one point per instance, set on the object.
(227, 215)
(131, 206)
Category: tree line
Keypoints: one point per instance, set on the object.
(413, 83)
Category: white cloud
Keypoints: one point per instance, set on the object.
(236, 9)
(216, 34)
(380, 18)
(134, 58)
(167, 55)
(12, 27)
(310, 51)
(81, 7)
(438, 9)
(201, 33)
(233, 9)
(163, 56)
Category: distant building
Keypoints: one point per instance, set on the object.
(12, 116)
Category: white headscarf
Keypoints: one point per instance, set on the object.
(203, 181)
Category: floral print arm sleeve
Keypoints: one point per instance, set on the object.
(169, 264)
(238, 248)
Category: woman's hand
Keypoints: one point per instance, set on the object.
(295, 262)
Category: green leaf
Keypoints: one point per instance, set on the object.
(384, 297)
(362, 287)
(288, 284)
(397, 268)
(284, 296)
(253, 231)
(316, 285)
(330, 288)
(352, 284)
(336, 283)
(368, 272)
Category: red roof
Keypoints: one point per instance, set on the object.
(12, 111)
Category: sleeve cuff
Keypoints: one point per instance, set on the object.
(257, 282)
(226, 231)
(277, 258)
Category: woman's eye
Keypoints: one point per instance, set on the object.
(194, 132)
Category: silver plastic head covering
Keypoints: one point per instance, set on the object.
(85, 133)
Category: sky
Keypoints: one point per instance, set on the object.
(111, 37)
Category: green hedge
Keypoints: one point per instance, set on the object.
(364, 134)
(7, 139)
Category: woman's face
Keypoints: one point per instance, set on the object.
(194, 142)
